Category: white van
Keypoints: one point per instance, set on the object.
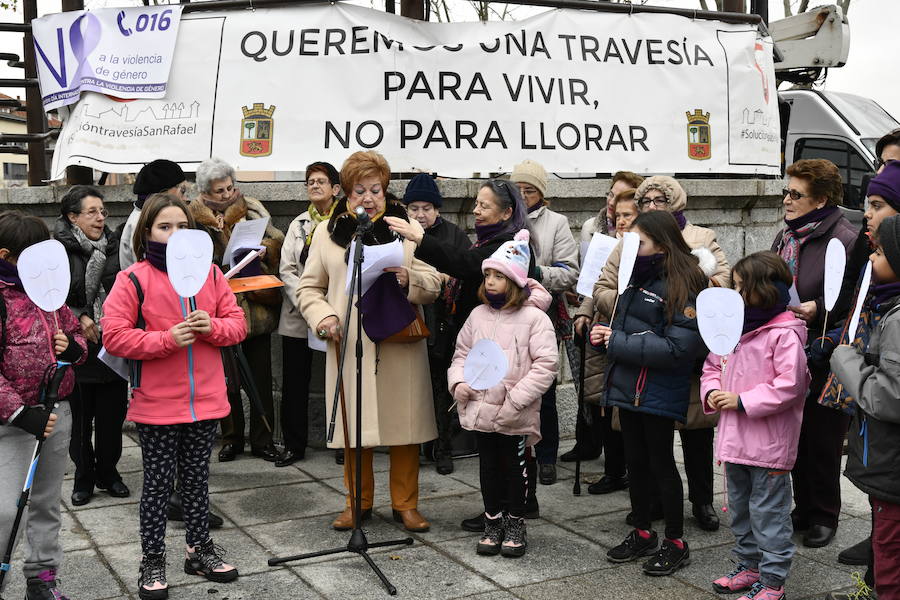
(842, 128)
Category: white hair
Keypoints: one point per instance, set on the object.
(211, 170)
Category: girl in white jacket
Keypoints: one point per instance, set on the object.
(506, 416)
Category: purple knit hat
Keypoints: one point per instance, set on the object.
(511, 259)
(887, 184)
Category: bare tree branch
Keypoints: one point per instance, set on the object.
(704, 5)
(804, 6)
(787, 8)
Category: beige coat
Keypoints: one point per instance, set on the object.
(606, 292)
(397, 401)
(291, 322)
(555, 250)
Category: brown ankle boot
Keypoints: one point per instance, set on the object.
(412, 520)
(344, 521)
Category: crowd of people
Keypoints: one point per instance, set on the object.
(776, 411)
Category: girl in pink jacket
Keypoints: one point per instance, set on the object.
(178, 387)
(506, 417)
(759, 389)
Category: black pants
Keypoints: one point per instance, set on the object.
(98, 411)
(697, 448)
(548, 447)
(186, 446)
(588, 436)
(503, 473)
(297, 371)
(258, 351)
(651, 466)
(817, 472)
(444, 419)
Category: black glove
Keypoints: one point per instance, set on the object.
(819, 353)
(32, 419)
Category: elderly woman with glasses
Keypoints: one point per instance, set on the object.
(219, 207)
(99, 400)
(812, 218)
(397, 408)
(666, 194)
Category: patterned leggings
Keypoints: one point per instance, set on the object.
(164, 447)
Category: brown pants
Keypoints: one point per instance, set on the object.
(404, 476)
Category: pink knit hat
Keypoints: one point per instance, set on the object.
(511, 259)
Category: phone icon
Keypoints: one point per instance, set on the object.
(126, 31)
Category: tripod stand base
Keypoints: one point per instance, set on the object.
(357, 544)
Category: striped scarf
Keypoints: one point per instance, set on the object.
(316, 217)
(791, 242)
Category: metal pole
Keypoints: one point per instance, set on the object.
(414, 9)
(735, 6)
(77, 174)
(761, 8)
(35, 117)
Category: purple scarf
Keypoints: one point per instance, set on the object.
(534, 207)
(882, 292)
(156, 254)
(485, 233)
(757, 316)
(497, 301)
(680, 219)
(646, 267)
(9, 273)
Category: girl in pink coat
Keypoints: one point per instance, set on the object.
(506, 417)
(178, 386)
(759, 389)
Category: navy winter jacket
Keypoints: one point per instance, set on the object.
(651, 361)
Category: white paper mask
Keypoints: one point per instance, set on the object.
(485, 366)
(44, 269)
(188, 258)
(835, 261)
(630, 244)
(720, 317)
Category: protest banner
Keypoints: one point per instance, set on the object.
(578, 91)
(126, 52)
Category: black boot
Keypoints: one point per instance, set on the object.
(176, 512)
(857, 554)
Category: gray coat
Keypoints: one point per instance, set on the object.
(873, 379)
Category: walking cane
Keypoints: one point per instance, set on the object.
(576, 488)
(49, 397)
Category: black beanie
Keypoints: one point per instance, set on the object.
(333, 176)
(889, 239)
(157, 176)
(422, 188)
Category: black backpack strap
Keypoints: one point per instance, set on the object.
(135, 365)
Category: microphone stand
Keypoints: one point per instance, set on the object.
(357, 544)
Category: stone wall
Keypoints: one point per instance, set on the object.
(745, 213)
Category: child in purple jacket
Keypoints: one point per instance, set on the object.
(759, 389)
(30, 342)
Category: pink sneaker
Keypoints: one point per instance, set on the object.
(764, 592)
(740, 579)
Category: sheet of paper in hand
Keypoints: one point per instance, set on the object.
(188, 259)
(246, 234)
(486, 365)
(375, 260)
(44, 269)
(630, 244)
(835, 261)
(597, 253)
(860, 302)
(720, 317)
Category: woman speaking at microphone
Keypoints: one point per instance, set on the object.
(397, 407)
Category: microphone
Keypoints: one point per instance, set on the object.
(363, 220)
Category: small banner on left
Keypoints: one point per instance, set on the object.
(123, 52)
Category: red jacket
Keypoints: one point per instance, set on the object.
(177, 385)
(29, 350)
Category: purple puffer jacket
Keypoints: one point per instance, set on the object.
(528, 339)
(29, 350)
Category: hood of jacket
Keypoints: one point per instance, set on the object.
(540, 297)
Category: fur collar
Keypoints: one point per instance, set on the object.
(342, 225)
(207, 217)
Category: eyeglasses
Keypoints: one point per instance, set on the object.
(94, 212)
(317, 182)
(658, 201)
(794, 194)
(527, 191)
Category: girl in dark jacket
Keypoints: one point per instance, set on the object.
(653, 335)
(99, 400)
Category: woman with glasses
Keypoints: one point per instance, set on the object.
(812, 218)
(396, 386)
(323, 187)
(99, 401)
(219, 207)
(664, 193)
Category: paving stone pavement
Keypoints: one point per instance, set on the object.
(271, 512)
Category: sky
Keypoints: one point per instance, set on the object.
(873, 23)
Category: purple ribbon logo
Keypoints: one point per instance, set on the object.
(84, 43)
